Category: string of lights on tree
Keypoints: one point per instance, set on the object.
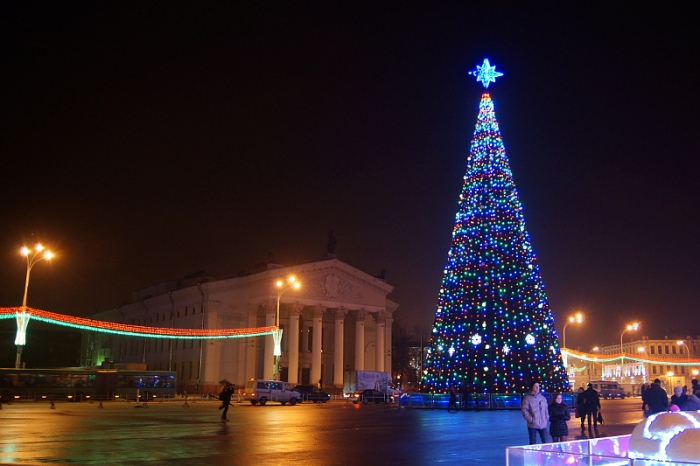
(82, 323)
(493, 330)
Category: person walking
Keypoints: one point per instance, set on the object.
(592, 403)
(558, 415)
(536, 413)
(453, 399)
(645, 403)
(581, 406)
(657, 398)
(225, 398)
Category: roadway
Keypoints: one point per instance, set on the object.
(336, 433)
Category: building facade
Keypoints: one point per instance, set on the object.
(673, 361)
(339, 319)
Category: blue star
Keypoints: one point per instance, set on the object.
(486, 73)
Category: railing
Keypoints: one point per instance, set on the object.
(486, 401)
(605, 451)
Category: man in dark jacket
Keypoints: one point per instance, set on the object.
(591, 401)
(225, 397)
(657, 398)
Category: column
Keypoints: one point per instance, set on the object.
(269, 357)
(389, 321)
(316, 348)
(293, 339)
(360, 340)
(379, 340)
(339, 346)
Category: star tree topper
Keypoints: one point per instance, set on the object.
(486, 73)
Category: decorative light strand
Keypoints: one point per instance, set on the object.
(82, 323)
(618, 357)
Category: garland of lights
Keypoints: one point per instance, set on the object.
(626, 356)
(82, 323)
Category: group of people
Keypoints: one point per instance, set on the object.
(655, 399)
(539, 415)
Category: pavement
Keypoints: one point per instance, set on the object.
(335, 433)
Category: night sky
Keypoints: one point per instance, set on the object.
(145, 141)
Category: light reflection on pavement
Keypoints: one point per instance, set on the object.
(329, 434)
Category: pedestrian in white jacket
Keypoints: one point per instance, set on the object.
(536, 413)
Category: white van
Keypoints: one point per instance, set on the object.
(262, 391)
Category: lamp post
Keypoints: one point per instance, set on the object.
(643, 350)
(682, 344)
(595, 349)
(39, 254)
(630, 328)
(282, 286)
(578, 318)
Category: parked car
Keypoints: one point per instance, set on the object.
(371, 396)
(311, 393)
(262, 391)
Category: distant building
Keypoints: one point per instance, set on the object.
(673, 362)
(339, 319)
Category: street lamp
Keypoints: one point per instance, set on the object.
(282, 286)
(595, 349)
(39, 254)
(682, 344)
(630, 328)
(578, 318)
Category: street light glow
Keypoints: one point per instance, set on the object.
(578, 318)
(23, 317)
(282, 286)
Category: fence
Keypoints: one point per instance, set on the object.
(485, 401)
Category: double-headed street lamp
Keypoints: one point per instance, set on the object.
(630, 328)
(39, 254)
(578, 318)
(282, 286)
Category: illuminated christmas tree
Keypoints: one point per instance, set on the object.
(493, 330)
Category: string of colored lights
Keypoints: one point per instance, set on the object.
(618, 357)
(82, 323)
(493, 329)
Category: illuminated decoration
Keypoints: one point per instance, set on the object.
(22, 322)
(82, 323)
(667, 437)
(451, 351)
(491, 285)
(626, 357)
(277, 336)
(486, 74)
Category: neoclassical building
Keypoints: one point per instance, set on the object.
(340, 319)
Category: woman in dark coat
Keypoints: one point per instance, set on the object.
(558, 415)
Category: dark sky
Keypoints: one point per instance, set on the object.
(145, 141)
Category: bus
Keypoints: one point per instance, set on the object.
(608, 389)
(80, 384)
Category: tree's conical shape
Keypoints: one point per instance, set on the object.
(493, 330)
